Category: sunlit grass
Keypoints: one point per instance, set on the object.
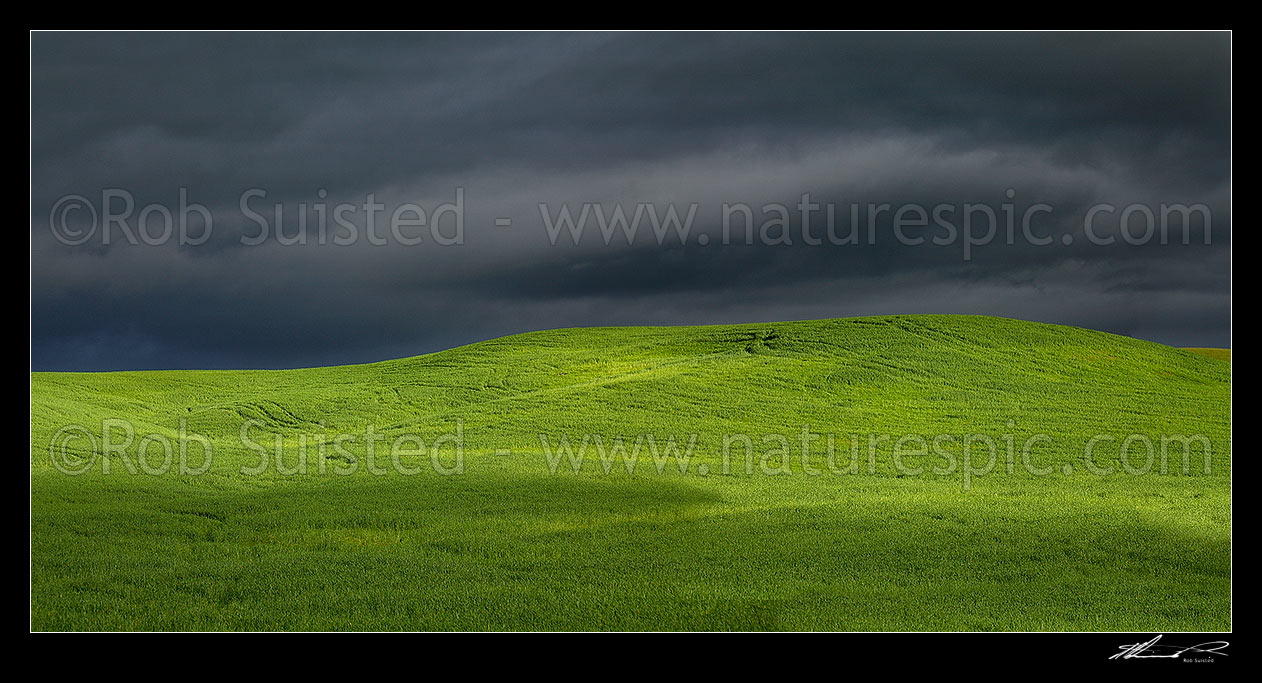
(514, 543)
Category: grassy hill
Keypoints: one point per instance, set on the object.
(488, 522)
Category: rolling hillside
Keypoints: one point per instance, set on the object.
(491, 513)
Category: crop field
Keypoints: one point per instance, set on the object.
(1219, 354)
(880, 473)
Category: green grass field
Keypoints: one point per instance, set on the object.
(1218, 354)
(487, 525)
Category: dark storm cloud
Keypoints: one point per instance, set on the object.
(1065, 119)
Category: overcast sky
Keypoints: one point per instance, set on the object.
(499, 124)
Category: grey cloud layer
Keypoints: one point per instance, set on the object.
(515, 120)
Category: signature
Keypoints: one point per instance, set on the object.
(1153, 650)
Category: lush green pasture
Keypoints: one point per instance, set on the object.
(487, 523)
